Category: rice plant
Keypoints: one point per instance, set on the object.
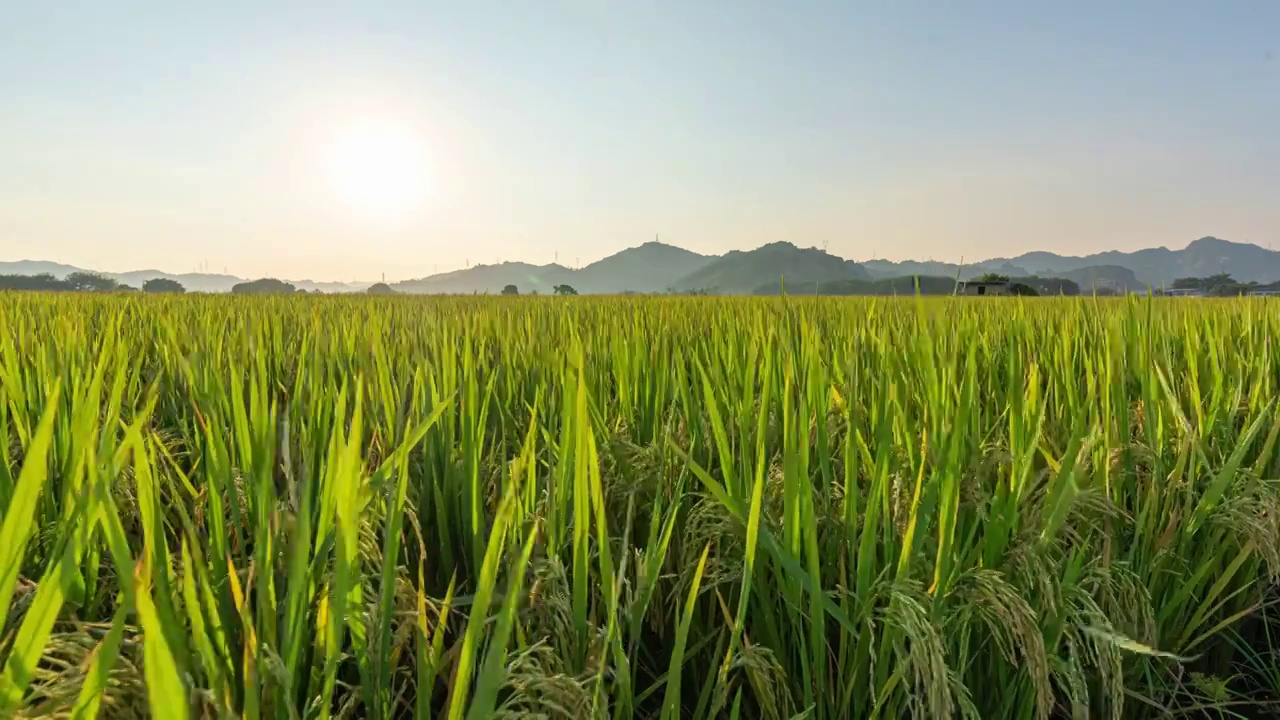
(520, 507)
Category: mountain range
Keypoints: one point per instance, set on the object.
(1161, 266)
(658, 267)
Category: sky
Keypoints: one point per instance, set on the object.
(185, 135)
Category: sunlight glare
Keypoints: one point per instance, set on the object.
(379, 168)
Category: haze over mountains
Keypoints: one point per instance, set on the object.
(658, 267)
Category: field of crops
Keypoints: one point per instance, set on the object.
(313, 507)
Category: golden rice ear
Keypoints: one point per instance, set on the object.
(537, 686)
(756, 669)
(1008, 620)
(919, 650)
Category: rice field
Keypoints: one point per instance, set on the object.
(484, 507)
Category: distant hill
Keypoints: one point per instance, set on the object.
(1103, 277)
(908, 268)
(37, 267)
(1161, 266)
(491, 279)
(1154, 267)
(648, 268)
(740, 272)
(969, 271)
(916, 268)
(651, 267)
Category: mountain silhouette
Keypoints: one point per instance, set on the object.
(651, 267)
(658, 267)
(491, 279)
(1160, 266)
(648, 268)
(742, 272)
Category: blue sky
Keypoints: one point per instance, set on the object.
(148, 134)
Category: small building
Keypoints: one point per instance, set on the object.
(995, 287)
(1264, 293)
(1183, 292)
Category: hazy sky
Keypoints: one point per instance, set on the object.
(163, 134)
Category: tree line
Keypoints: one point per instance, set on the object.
(1219, 285)
(93, 282)
(84, 282)
(1222, 285)
(557, 290)
(921, 284)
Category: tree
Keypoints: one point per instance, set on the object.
(992, 278)
(564, 290)
(42, 282)
(265, 286)
(511, 290)
(162, 285)
(380, 289)
(1047, 285)
(92, 282)
(1022, 289)
(1219, 285)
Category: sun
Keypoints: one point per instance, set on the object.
(379, 168)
